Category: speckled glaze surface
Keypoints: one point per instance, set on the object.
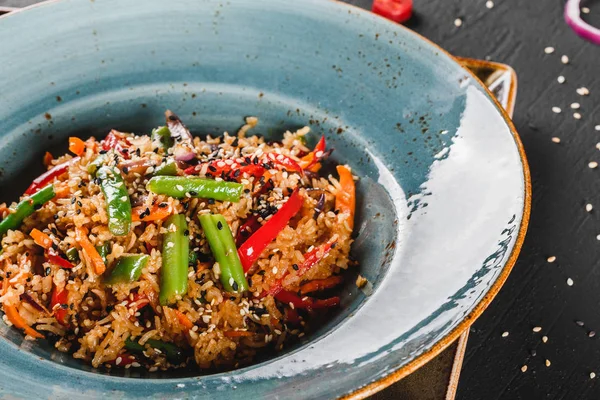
(444, 189)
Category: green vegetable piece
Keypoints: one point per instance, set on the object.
(103, 250)
(162, 136)
(128, 269)
(175, 253)
(117, 200)
(94, 166)
(179, 186)
(166, 169)
(222, 244)
(173, 353)
(25, 208)
(192, 258)
(73, 255)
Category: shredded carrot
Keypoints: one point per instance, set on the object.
(76, 145)
(90, 250)
(15, 318)
(48, 159)
(345, 199)
(316, 167)
(156, 214)
(233, 334)
(184, 320)
(41, 239)
(320, 284)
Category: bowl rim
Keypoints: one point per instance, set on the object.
(371, 388)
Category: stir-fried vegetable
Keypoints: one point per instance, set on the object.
(306, 302)
(309, 161)
(114, 141)
(103, 250)
(15, 318)
(183, 149)
(52, 255)
(146, 214)
(117, 200)
(168, 168)
(221, 243)
(396, 10)
(25, 208)
(72, 255)
(93, 166)
(579, 26)
(76, 146)
(320, 284)
(252, 248)
(88, 248)
(345, 199)
(41, 239)
(48, 176)
(173, 353)
(58, 304)
(128, 269)
(183, 319)
(162, 137)
(180, 186)
(173, 275)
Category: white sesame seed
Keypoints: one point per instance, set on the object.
(576, 115)
(570, 282)
(592, 375)
(505, 334)
(274, 270)
(445, 131)
(118, 360)
(593, 164)
(458, 22)
(179, 187)
(585, 10)
(561, 79)
(556, 139)
(583, 91)
(524, 368)
(597, 127)
(556, 110)
(551, 259)
(549, 50)
(537, 329)
(548, 363)
(170, 244)
(544, 339)
(564, 59)
(575, 106)
(588, 207)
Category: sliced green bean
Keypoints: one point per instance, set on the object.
(128, 269)
(117, 200)
(25, 208)
(175, 253)
(168, 168)
(183, 186)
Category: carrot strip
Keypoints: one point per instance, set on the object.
(41, 239)
(345, 199)
(48, 159)
(143, 213)
(15, 318)
(184, 320)
(320, 284)
(233, 334)
(90, 250)
(76, 146)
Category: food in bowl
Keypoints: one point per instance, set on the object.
(165, 250)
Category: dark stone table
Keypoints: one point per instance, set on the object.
(536, 294)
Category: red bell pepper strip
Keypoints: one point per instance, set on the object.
(113, 141)
(396, 10)
(48, 176)
(288, 163)
(306, 302)
(314, 156)
(310, 259)
(251, 225)
(320, 284)
(54, 258)
(58, 302)
(254, 246)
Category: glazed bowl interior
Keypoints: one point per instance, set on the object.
(441, 194)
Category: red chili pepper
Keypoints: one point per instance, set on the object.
(320, 284)
(286, 162)
(58, 302)
(396, 10)
(306, 302)
(291, 316)
(251, 225)
(314, 156)
(310, 259)
(55, 258)
(190, 170)
(48, 176)
(112, 141)
(124, 360)
(140, 301)
(254, 246)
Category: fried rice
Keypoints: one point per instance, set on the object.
(69, 301)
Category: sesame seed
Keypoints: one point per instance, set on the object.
(537, 329)
(489, 4)
(544, 339)
(579, 323)
(583, 91)
(524, 368)
(505, 334)
(591, 334)
(597, 127)
(588, 207)
(585, 10)
(575, 106)
(556, 139)
(445, 131)
(576, 115)
(556, 110)
(593, 164)
(458, 22)
(549, 50)
(564, 59)
(561, 79)
(597, 237)
(551, 259)
(118, 360)
(170, 244)
(179, 187)
(274, 270)
(548, 363)
(570, 282)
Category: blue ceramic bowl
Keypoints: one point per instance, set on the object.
(443, 196)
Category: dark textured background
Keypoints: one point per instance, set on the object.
(536, 294)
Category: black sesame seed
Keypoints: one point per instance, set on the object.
(79, 203)
(73, 200)
(234, 286)
(193, 193)
(237, 173)
(138, 152)
(125, 170)
(212, 168)
(255, 161)
(186, 232)
(246, 190)
(163, 205)
(55, 217)
(47, 271)
(333, 245)
(172, 117)
(295, 266)
(219, 225)
(211, 201)
(103, 151)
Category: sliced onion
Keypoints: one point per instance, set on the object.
(177, 128)
(183, 152)
(581, 28)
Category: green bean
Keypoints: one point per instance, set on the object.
(223, 248)
(25, 208)
(128, 269)
(168, 168)
(162, 136)
(176, 248)
(103, 250)
(92, 167)
(181, 186)
(117, 200)
(73, 255)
